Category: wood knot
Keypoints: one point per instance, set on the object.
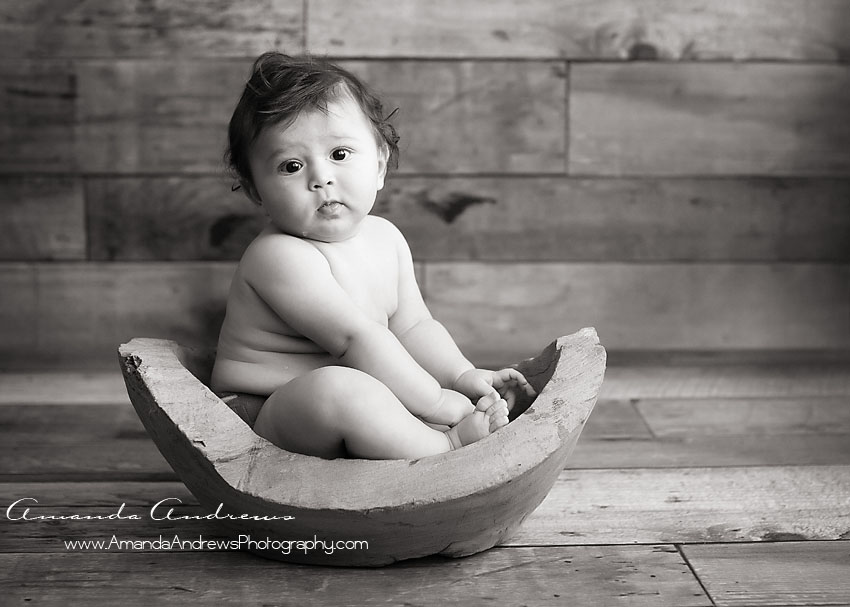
(452, 205)
(642, 51)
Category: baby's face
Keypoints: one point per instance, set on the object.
(318, 177)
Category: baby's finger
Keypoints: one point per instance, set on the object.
(505, 376)
(520, 380)
(511, 376)
(510, 398)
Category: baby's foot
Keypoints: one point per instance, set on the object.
(478, 424)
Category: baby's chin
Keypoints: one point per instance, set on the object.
(326, 235)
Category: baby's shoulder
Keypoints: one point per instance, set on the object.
(272, 244)
(384, 229)
(276, 253)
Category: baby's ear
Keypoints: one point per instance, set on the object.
(383, 161)
(250, 191)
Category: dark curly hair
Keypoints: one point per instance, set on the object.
(280, 88)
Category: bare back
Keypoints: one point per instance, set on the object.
(258, 351)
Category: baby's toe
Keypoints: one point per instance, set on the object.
(498, 414)
(498, 421)
(487, 401)
(498, 408)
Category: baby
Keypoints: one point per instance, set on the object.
(324, 315)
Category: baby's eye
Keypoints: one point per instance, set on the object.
(340, 154)
(291, 166)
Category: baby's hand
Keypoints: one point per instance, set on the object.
(486, 387)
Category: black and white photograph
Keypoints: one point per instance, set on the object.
(472, 302)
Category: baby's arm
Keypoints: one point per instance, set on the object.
(425, 338)
(295, 280)
(432, 346)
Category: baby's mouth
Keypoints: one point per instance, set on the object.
(330, 207)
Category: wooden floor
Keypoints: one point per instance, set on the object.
(700, 480)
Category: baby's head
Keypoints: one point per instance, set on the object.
(280, 89)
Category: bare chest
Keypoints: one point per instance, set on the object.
(369, 276)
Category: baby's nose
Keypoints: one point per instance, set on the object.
(321, 177)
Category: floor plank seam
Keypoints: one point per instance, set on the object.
(633, 405)
(168, 477)
(678, 543)
(105, 478)
(694, 573)
(736, 466)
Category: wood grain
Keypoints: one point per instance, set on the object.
(40, 101)
(74, 315)
(43, 218)
(726, 377)
(99, 442)
(665, 433)
(134, 28)
(473, 117)
(169, 218)
(793, 573)
(585, 507)
(509, 307)
(628, 575)
(137, 459)
(156, 116)
(501, 218)
(80, 423)
(96, 442)
(629, 378)
(560, 219)
(731, 417)
(153, 116)
(614, 420)
(786, 30)
(69, 424)
(106, 459)
(709, 119)
(692, 505)
(63, 388)
(63, 495)
(776, 450)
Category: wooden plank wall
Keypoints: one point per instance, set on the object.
(674, 172)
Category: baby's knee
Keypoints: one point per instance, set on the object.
(342, 391)
(309, 408)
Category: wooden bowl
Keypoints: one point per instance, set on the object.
(453, 504)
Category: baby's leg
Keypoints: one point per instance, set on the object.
(338, 411)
